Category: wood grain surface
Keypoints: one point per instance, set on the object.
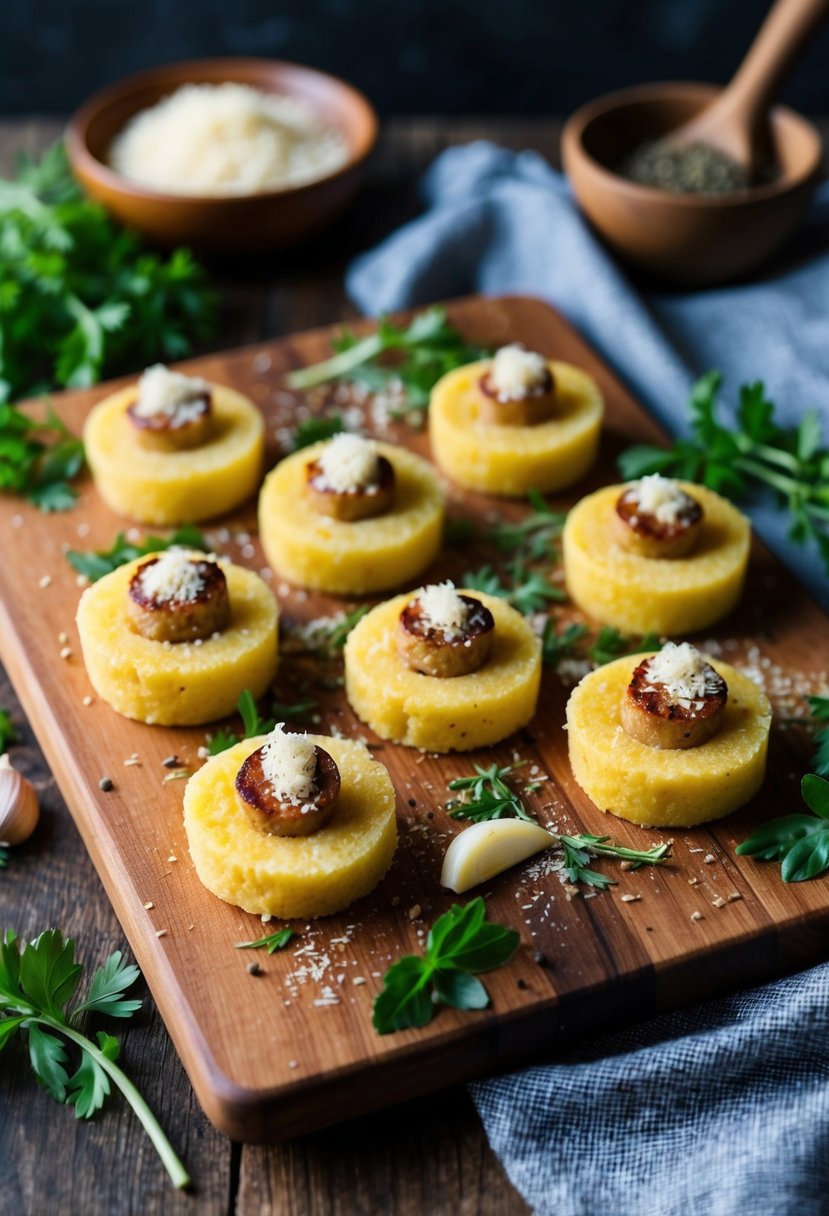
(294, 1050)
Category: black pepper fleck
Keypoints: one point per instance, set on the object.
(253, 969)
(539, 958)
(412, 802)
(170, 762)
(105, 784)
(430, 814)
(522, 984)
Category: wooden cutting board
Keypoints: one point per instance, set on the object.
(293, 1049)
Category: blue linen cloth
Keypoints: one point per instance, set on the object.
(503, 222)
(723, 1109)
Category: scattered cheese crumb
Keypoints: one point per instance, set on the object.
(709, 859)
(630, 899)
(149, 905)
(161, 932)
(66, 652)
(45, 581)
(516, 372)
(719, 902)
(697, 916)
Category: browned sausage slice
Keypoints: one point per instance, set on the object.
(656, 517)
(436, 649)
(674, 702)
(177, 597)
(268, 813)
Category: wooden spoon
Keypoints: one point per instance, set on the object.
(737, 122)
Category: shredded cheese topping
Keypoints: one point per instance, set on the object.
(442, 608)
(161, 391)
(289, 763)
(516, 372)
(683, 673)
(174, 576)
(348, 462)
(229, 138)
(660, 497)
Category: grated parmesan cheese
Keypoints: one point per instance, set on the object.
(660, 497)
(683, 673)
(161, 391)
(289, 764)
(226, 139)
(516, 372)
(348, 462)
(443, 609)
(174, 576)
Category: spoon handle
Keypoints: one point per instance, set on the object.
(782, 36)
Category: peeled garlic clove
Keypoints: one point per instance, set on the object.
(19, 811)
(485, 849)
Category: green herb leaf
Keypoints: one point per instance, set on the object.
(254, 724)
(557, 645)
(36, 987)
(528, 591)
(532, 537)
(819, 710)
(790, 462)
(314, 430)
(8, 732)
(610, 644)
(461, 943)
(95, 565)
(273, 942)
(800, 842)
(489, 796)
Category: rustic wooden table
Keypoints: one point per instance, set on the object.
(429, 1157)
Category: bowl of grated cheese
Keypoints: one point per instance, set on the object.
(224, 155)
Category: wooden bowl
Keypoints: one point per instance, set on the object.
(690, 240)
(252, 223)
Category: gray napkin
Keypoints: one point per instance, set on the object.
(503, 222)
(721, 1110)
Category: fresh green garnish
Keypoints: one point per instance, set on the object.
(8, 731)
(79, 295)
(460, 945)
(36, 988)
(819, 709)
(532, 537)
(526, 590)
(800, 842)
(790, 461)
(253, 722)
(610, 644)
(459, 531)
(30, 465)
(561, 644)
(272, 943)
(579, 849)
(488, 796)
(314, 430)
(103, 561)
(421, 352)
(324, 637)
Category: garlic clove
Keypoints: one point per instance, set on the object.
(19, 810)
(485, 849)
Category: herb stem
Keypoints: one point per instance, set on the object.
(174, 1167)
(338, 365)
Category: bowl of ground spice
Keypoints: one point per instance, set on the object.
(224, 155)
(685, 214)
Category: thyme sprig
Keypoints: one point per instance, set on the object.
(488, 796)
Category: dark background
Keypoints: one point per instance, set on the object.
(410, 56)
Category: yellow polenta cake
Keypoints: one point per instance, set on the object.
(173, 487)
(292, 876)
(660, 595)
(443, 714)
(511, 460)
(184, 683)
(351, 557)
(672, 787)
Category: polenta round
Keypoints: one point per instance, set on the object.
(655, 595)
(512, 460)
(182, 683)
(357, 557)
(671, 787)
(292, 876)
(443, 714)
(167, 488)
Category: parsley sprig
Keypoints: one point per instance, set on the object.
(37, 986)
(574, 641)
(460, 945)
(254, 723)
(79, 295)
(757, 451)
(532, 537)
(579, 849)
(413, 356)
(800, 842)
(37, 458)
(273, 942)
(527, 590)
(8, 731)
(323, 637)
(314, 430)
(103, 561)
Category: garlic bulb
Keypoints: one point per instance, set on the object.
(19, 811)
